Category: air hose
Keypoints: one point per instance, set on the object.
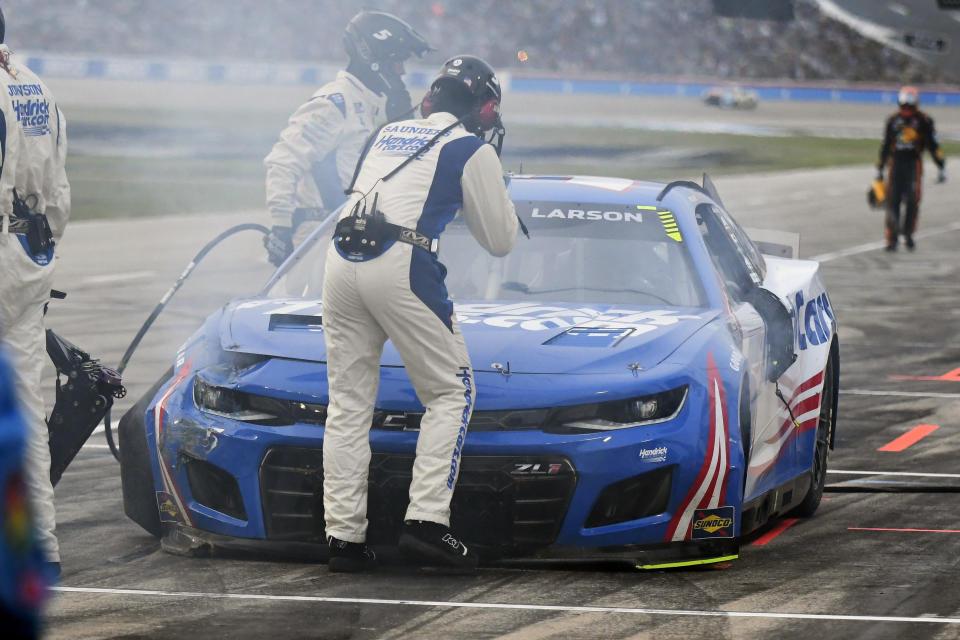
(108, 431)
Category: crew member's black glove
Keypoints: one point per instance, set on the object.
(879, 173)
(279, 244)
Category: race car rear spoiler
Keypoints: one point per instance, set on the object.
(779, 244)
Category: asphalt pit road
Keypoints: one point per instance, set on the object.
(137, 554)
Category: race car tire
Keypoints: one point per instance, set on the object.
(745, 424)
(825, 426)
(136, 474)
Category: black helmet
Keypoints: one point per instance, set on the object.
(375, 41)
(374, 37)
(469, 80)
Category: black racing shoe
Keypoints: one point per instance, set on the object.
(436, 545)
(908, 241)
(891, 247)
(350, 557)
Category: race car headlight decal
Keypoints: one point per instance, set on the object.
(622, 414)
(228, 403)
(215, 399)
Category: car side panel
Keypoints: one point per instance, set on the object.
(783, 448)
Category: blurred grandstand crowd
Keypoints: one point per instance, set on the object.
(624, 37)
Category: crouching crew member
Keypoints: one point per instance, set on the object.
(383, 280)
(34, 206)
(909, 132)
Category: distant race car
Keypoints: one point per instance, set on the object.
(731, 98)
(650, 388)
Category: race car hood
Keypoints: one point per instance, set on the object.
(509, 337)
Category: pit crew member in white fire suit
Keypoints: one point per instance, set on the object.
(313, 161)
(383, 280)
(33, 141)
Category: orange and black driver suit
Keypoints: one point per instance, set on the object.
(908, 133)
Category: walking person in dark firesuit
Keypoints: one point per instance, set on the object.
(383, 279)
(909, 132)
(34, 207)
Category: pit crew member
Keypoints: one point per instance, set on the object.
(909, 132)
(383, 280)
(313, 161)
(34, 205)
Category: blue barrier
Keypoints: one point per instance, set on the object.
(293, 73)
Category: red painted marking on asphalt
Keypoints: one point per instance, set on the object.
(782, 526)
(910, 437)
(949, 376)
(906, 530)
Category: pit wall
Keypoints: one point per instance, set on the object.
(212, 72)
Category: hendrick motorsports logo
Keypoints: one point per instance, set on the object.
(534, 317)
(712, 523)
(657, 454)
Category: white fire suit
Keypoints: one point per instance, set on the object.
(34, 145)
(401, 295)
(313, 162)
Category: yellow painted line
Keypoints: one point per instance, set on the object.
(688, 563)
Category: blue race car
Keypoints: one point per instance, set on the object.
(652, 385)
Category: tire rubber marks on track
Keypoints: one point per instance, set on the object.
(910, 437)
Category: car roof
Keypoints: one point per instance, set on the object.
(599, 189)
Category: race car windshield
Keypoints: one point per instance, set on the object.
(577, 252)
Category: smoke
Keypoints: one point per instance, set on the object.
(158, 167)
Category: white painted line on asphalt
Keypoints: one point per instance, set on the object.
(907, 394)
(118, 277)
(871, 246)
(850, 251)
(894, 473)
(497, 605)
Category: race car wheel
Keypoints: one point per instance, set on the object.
(139, 497)
(745, 432)
(825, 425)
